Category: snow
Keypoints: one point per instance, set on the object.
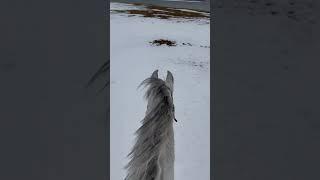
(133, 59)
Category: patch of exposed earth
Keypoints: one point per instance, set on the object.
(167, 42)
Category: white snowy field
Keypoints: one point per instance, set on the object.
(133, 59)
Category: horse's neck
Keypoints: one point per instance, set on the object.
(166, 157)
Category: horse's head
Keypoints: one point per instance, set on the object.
(169, 82)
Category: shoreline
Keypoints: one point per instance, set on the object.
(203, 6)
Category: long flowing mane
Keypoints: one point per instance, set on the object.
(152, 136)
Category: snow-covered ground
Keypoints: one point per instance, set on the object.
(133, 59)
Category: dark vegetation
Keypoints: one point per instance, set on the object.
(164, 12)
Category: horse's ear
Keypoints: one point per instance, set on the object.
(155, 74)
(169, 80)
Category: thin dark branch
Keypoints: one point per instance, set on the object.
(102, 70)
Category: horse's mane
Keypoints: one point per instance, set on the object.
(150, 136)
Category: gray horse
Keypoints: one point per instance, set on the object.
(152, 156)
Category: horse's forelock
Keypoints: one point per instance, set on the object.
(156, 88)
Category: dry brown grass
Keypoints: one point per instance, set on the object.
(164, 12)
(160, 42)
